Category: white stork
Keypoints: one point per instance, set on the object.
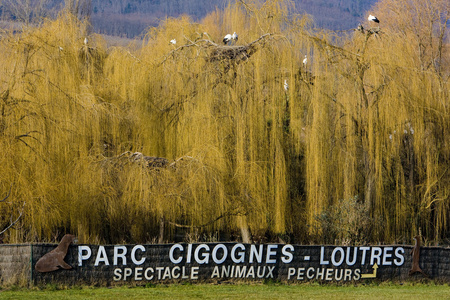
(230, 37)
(305, 60)
(234, 36)
(373, 19)
(227, 38)
(173, 42)
(286, 85)
(85, 41)
(360, 28)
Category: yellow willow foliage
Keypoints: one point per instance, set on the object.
(355, 150)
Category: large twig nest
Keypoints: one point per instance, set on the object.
(237, 53)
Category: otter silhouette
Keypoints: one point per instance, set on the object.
(54, 260)
(415, 253)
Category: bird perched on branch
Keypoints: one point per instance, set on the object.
(360, 28)
(373, 19)
(286, 85)
(230, 37)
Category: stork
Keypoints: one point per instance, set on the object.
(227, 38)
(373, 19)
(85, 41)
(173, 42)
(305, 60)
(360, 28)
(230, 37)
(234, 36)
(286, 85)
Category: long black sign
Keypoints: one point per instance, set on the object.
(235, 261)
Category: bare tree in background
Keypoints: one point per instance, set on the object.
(27, 11)
(80, 8)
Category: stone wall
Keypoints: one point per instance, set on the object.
(217, 262)
(15, 264)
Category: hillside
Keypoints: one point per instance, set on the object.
(129, 18)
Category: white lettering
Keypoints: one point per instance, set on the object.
(357, 274)
(322, 261)
(101, 256)
(254, 253)
(82, 256)
(270, 270)
(127, 273)
(301, 273)
(333, 256)
(121, 255)
(288, 257)
(138, 274)
(329, 275)
(166, 273)
(291, 272)
(172, 249)
(117, 274)
(205, 259)
(399, 254)
(355, 254)
(387, 255)
(364, 250)
(189, 254)
(194, 273)
(224, 256)
(270, 253)
(310, 276)
(146, 275)
(240, 254)
(376, 254)
(133, 255)
(175, 275)
(215, 272)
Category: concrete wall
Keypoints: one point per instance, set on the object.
(15, 264)
(141, 264)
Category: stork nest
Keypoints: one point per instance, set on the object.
(216, 52)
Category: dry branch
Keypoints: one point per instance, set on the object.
(226, 214)
(7, 196)
(220, 52)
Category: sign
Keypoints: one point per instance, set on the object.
(209, 262)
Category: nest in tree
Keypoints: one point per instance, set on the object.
(149, 161)
(236, 53)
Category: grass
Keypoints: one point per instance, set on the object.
(232, 291)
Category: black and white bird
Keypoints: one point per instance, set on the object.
(373, 19)
(173, 42)
(360, 28)
(230, 37)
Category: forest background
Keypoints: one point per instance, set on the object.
(240, 142)
(131, 18)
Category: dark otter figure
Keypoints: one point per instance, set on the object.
(54, 260)
(415, 253)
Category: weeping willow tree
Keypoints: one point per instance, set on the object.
(354, 149)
